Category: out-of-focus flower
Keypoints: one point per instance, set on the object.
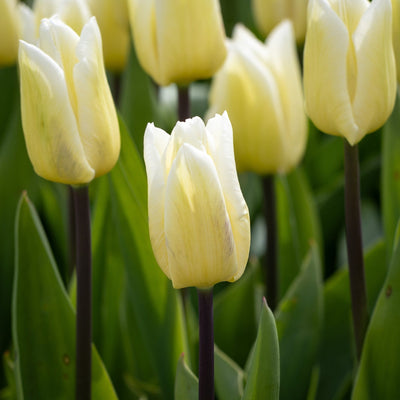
(178, 41)
(349, 66)
(68, 115)
(9, 32)
(112, 17)
(269, 13)
(260, 87)
(396, 34)
(74, 13)
(198, 219)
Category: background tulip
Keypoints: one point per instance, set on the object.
(68, 116)
(260, 87)
(112, 17)
(199, 222)
(396, 34)
(349, 66)
(9, 31)
(75, 13)
(178, 41)
(269, 13)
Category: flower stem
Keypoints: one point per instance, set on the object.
(206, 351)
(271, 258)
(183, 103)
(71, 233)
(354, 245)
(84, 294)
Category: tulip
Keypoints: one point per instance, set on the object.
(260, 87)
(349, 66)
(112, 17)
(68, 115)
(396, 34)
(269, 13)
(198, 220)
(9, 32)
(75, 13)
(178, 41)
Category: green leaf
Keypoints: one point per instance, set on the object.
(186, 383)
(44, 320)
(233, 335)
(378, 374)
(229, 377)
(391, 175)
(298, 225)
(337, 354)
(153, 311)
(263, 364)
(299, 322)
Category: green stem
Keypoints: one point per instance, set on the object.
(271, 258)
(84, 294)
(183, 103)
(354, 245)
(206, 345)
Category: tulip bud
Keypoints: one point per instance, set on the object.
(269, 13)
(349, 66)
(9, 32)
(396, 34)
(178, 41)
(75, 13)
(68, 115)
(112, 17)
(198, 219)
(260, 87)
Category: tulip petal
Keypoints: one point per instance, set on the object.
(219, 134)
(327, 98)
(200, 245)
(28, 33)
(155, 143)
(284, 64)
(190, 40)
(376, 77)
(50, 128)
(9, 32)
(97, 117)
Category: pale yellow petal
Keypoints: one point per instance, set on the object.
(268, 13)
(327, 99)
(396, 34)
(190, 39)
(220, 148)
(200, 244)
(283, 61)
(49, 124)
(28, 25)
(155, 142)
(9, 32)
(376, 77)
(97, 117)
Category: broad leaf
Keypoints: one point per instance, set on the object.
(186, 383)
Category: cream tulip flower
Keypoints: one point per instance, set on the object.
(269, 13)
(112, 17)
(74, 13)
(198, 219)
(68, 115)
(260, 87)
(396, 34)
(9, 32)
(178, 41)
(349, 66)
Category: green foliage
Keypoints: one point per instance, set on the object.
(44, 320)
(186, 383)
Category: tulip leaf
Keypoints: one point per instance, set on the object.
(379, 370)
(186, 383)
(391, 175)
(299, 321)
(44, 320)
(233, 335)
(337, 352)
(229, 377)
(298, 225)
(153, 311)
(263, 365)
